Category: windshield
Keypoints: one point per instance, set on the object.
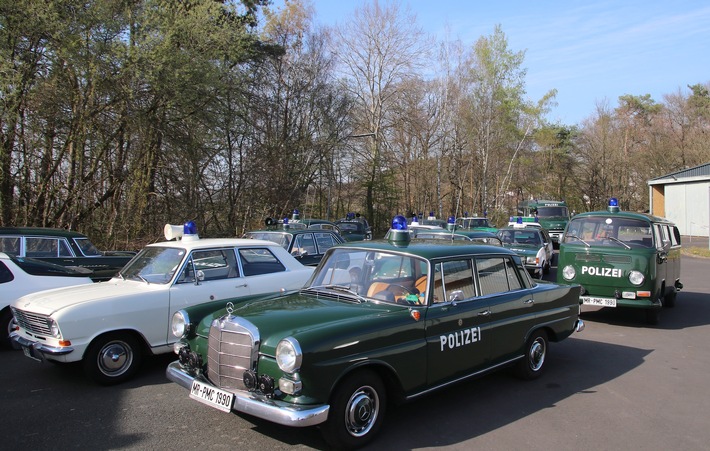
(549, 212)
(609, 231)
(373, 275)
(475, 222)
(350, 227)
(529, 237)
(282, 239)
(154, 265)
(87, 247)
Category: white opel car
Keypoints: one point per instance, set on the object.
(110, 326)
(20, 276)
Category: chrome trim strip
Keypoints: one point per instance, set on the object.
(462, 378)
(279, 412)
(39, 348)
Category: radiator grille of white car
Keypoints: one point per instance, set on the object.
(233, 349)
(32, 322)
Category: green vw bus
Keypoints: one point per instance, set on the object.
(622, 259)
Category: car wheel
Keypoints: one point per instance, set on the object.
(356, 412)
(533, 363)
(112, 358)
(7, 325)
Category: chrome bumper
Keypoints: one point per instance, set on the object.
(279, 412)
(36, 350)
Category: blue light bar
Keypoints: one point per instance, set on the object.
(189, 228)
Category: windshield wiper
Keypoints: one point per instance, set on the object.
(578, 238)
(341, 288)
(616, 240)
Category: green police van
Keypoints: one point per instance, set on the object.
(622, 259)
(553, 215)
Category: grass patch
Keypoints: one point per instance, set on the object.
(696, 251)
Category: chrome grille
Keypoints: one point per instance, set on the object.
(32, 322)
(233, 348)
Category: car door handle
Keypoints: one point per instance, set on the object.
(484, 313)
(241, 286)
(529, 301)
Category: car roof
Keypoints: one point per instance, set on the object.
(205, 243)
(624, 214)
(41, 231)
(429, 249)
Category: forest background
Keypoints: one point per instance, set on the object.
(119, 116)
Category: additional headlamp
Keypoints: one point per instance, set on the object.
(636, 278)
(289, 355)
(568, 272)
(180, 324)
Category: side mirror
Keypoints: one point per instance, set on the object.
(456, 296)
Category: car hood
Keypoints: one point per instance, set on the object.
(307, 316)
(50, 301)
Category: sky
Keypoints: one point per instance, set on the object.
(591, 52)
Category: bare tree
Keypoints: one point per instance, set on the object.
(379, 49)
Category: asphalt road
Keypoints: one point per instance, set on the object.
(620, 384)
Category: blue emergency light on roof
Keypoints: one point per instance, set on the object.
(350, 216)
(519, 220)
(613, 205)
(465, 214)
(398, 233)
(189, 232)
(295, 214)
(415, 219)
(485, 213)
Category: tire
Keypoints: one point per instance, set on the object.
(112, 358)
(532, 364)
(357, 411)
(7, 325)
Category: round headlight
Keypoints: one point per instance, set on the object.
(636, 278)
(180, 324)
(568, 272)
(54, 328)
(288, 355)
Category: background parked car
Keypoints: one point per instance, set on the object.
(20, 276)
(306, 245)
(62, 247)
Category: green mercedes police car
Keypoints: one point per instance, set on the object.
(379, 322)
(622, 259)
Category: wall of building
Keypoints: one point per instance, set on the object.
(688, 205)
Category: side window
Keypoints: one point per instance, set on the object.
(511, 270)
(304, 244)
(675, 236)
(493, 274)
(214, 264)
(453, 281)
(41, 247)
(10, 245)
(259, 261)
(325, 241)
(5, 274)
(661, 237)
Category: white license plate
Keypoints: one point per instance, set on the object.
(600, 302)
(212, 396)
